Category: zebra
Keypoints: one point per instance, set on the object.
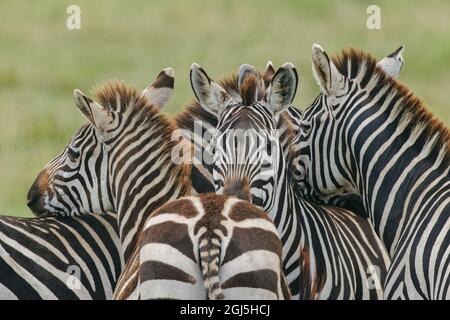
(197, 124)
(120, 162)
(94, 249)
(369, 135)
(206, 247)
(392, 64)
(326, 251)
(59, 257)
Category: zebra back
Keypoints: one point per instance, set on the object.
(207, 247)
(59, 258)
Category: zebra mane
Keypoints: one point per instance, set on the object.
(119, 97)
(361, 66)
(287, 136)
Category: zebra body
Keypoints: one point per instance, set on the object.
(59, 257)
(368, 135)
(326, 251)
(209, 247)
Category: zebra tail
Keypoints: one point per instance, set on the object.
(209, 248)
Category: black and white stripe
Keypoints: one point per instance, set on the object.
(368, 135)
(326, 251)
(119, 162)
(59, 258)
(207, 247)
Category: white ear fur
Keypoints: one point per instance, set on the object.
(325, 72)
(210, 94)
(392, 63)
(283, 88)
(94, 112)
(161, 90)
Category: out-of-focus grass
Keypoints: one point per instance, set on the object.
(41, 62)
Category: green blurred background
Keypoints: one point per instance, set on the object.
(41, 61)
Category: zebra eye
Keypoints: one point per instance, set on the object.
(269, 147)
(72, 154)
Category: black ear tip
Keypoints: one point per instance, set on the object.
(165, 79)
(397, 52)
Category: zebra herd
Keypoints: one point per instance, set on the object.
(242, 196)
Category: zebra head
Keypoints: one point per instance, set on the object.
(78, 180)
(246, 151)
(321, 152)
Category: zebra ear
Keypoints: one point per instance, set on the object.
(327, 75)
(283, 87)
(94, 112)
(392, 63)
(161, 90)
(250, 84)
(268, 74)
(210, 95)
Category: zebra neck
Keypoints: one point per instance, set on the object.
(143, 180)
(286, 213)
(400, 171)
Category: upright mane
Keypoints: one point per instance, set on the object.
(361, 66)
(119, 97)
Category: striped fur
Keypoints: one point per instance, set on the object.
(197, 125)
(134, 141)
(392, 64)
(341, 246)
(40, 257)
(208, 247)
(372, 137)
(119, 162)
(75, 183)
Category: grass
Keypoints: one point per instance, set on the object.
(41, 61)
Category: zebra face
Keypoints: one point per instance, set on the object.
(322, 162)
(246, 149)
(71, 183)
(78, 180)
(246, 153)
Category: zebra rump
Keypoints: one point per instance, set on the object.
(207, 247)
